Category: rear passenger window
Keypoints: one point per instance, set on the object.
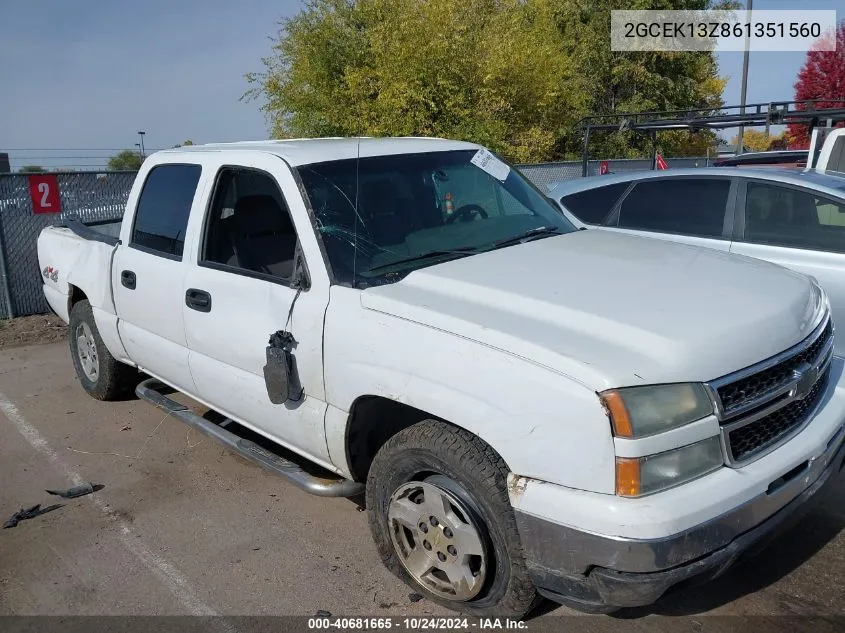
(593, 205)
(791, 217)
(249, 228)
(692, 206)
(163, 209)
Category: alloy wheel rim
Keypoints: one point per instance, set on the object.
(86, 349)
(437, 540)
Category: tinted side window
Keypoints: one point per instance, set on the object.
(163, 208)
(593, 205)
(686, 206)
(790, 217)
(249, 227)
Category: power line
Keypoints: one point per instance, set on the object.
(71, 167)
(102, 165)
(19, 157)
(78, 149)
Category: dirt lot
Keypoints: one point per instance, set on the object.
(31, 330)
(185, 527)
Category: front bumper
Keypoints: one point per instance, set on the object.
(598, 573)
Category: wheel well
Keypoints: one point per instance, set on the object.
(76, 295)
(372, 421)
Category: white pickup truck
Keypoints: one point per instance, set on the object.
(528, 408)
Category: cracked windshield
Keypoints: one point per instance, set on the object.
(416, 210)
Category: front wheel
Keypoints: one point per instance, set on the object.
(101, 375)
(442, 521)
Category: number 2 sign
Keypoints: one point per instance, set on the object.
(44, 191)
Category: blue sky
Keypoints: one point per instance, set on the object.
(84, 75)
(91, 73)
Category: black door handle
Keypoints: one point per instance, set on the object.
(198, 300)
(127, 278)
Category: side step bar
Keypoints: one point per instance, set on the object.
(320, 486)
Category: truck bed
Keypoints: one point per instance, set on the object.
(96, 230)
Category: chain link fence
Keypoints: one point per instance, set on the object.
(92, 196)
(544, 175)
(102, 195)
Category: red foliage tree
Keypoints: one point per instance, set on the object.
(821, 77)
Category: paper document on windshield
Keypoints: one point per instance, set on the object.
(492, 165)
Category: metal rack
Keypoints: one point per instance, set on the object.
(807, 112)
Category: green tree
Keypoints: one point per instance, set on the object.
(757, 141)
(31, 169)
(127, 160)
(184, 144)
(493, 71)
(617, 82)
(515, 75)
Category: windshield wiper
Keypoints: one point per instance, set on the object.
(456, 252)
(536, 232)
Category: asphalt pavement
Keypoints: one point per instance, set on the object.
(184, 527)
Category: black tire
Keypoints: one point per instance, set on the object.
(462, 464)
(114, 378)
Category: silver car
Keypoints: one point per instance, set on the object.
(786, 216)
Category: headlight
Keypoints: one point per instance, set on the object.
(638, 476)
(640, 411)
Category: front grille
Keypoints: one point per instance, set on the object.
(757, 436)
(760, 409)
(737, 395)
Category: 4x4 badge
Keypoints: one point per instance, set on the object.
(51, 273)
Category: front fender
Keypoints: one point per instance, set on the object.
(544, 425)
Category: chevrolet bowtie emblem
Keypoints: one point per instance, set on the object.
(806, 376)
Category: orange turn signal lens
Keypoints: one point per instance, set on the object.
(618, 414)
(628, 477)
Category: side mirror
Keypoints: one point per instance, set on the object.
(280, 375)
(277, 374)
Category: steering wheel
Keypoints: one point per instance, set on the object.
(466, 213)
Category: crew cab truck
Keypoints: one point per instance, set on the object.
(528, 408)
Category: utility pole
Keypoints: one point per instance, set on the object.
(739, 140)
(141, 134)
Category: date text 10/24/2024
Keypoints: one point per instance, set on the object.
(415, 624)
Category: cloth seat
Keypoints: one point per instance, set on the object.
(262, 236)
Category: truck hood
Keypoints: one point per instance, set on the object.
(612, 310)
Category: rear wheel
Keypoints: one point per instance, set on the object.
(100, 374)
(442, 521)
